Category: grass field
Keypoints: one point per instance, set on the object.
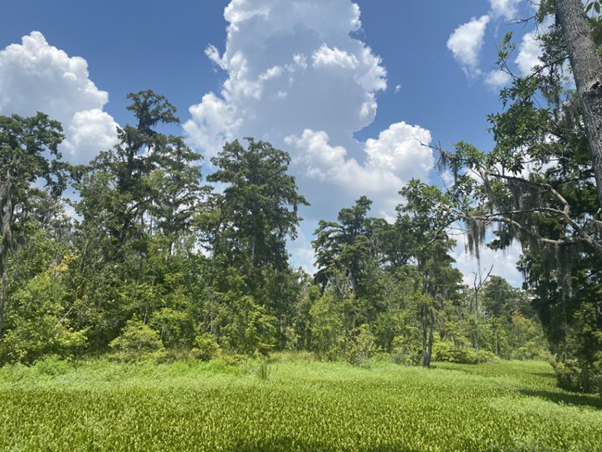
(300, 406)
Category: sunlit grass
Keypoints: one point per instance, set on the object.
(292, 405)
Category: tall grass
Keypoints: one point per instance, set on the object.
(292, 405)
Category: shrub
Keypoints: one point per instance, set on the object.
(406, 350)
(448, 352)
(361, 345)
(205, 348)
(327, 331)
(30, 340)
(137, 341)
(176, 328)
(574, 375)
(52, 366)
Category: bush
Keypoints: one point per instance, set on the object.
(406, 350)
(30, 341)
(327, 331)
(176, 328)
(485, 356)
(205, 348)
(574, 375)
(361, 346)
(52, 366)
(448, 352)
(136, 342)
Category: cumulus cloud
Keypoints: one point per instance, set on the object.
(298, 76)
(529, 53)
(89, 132)
(466, 42)
(497, 79)
(35, 76)
(507, 9)
(390, 161)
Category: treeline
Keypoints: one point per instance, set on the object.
(152, 261)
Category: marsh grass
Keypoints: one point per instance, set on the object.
(292, 404)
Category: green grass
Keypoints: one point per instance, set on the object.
(293, 405)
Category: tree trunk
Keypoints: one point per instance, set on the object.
(587, 70)
(431, 331)
(6, 211)
(4, 265)
(425, 360)
(476, 321)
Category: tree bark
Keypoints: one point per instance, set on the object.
(6, 211)
(425, 359)
(587, 70)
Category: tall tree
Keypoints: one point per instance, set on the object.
(138, 200)
(259, 206)
(587, 70)
(344, 248)
(537, 187)
(28, 152)
(423, 221)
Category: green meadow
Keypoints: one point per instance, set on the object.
(292, 405)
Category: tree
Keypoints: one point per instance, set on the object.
(28, 152)
(247, 226)
(258, 209)
(131, 162)
(587, 71)
(422, 222)
(137, 212)
(537, 187)
(345, 248)
(477, 285)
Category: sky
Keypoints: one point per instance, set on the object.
(353, 90)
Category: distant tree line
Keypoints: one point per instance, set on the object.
(152, 262)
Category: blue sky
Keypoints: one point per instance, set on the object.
(348, 99)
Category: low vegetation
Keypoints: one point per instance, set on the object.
(292, 404)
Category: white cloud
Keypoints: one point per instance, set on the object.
(325, 56)
(391, 160)
(466, 42)
(529, 53)
(497, 79)
(290, 66)
(505, 8)
(90, 131)
(35, 76)
(503, 262)
(298, 76)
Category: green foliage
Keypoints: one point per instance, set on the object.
(37, 323)
(155, 265)
(258, 208)
(31, 340)
(449, 352)
(301, 406)
(204, 347)
(52, 366)
(327, 332)
(537, 187)
(137, 341)
(360, 346)
(578, 362)
(28, 153)
(176, 328)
